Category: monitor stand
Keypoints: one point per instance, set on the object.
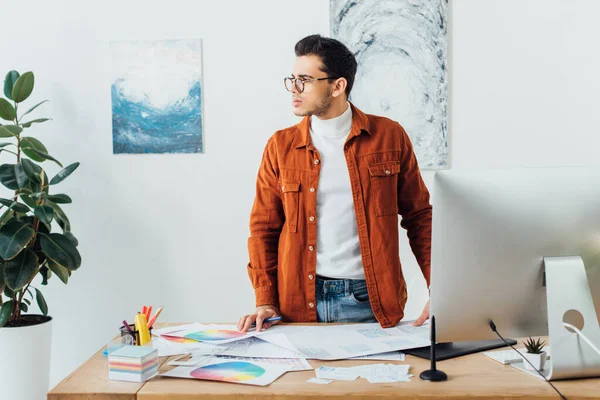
(569, 299)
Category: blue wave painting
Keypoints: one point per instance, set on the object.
(156, 97)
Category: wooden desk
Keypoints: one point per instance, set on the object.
(472, 376)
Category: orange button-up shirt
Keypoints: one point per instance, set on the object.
(385, 181)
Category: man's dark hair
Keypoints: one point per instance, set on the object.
(337, 60)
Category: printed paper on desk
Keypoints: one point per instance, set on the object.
(174, 328)
(255, 347)
(244, 372)
(167, 347)
(319, 381)
(346, 341)
(214, 334)
(374, 373)
(279, 339)
(189, 360)
(389, 356)
(342, 374)
(294, 364)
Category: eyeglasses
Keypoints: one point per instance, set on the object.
(299, 82)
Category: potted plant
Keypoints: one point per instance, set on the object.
(28, 245)
(535, 354)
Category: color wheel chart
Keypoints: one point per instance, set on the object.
(214, 334)
(235, 371)
(178, 339)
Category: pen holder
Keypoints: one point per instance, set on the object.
(136, 338)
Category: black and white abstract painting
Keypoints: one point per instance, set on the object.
(400, 46)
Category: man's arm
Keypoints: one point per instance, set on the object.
(266, 221)
(414, 206)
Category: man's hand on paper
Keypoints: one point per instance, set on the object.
(261, 313)
(424, 316)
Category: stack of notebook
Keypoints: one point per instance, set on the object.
(133, 363)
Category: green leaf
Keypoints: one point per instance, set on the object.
(38, 196)
(63, 174)
(7, 111)
(28, 143)
(72, 238)
(41, 302)
(13, 129)
(44, 214)
(13, 205)
(1, 277)
(8, 292)
(22, 178)
(26, 300)
(35, 187)
(14, 236)
(45, 156)
(19, 271)
(23, 87)
(60, 198)
(27, 200)
(5, 312)
(35, 121)
(60, 271)
(10, 130)
(60, 216)
(46, 274)
(3, 145)
(9, 83)
(61, 250)
(24, 307)
(32, 170)
(33, 108)
(7, 216)
(8, 177)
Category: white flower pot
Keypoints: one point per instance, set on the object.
(538, 361)
(25, 361)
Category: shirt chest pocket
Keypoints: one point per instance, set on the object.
(384, 187)
(291, 203)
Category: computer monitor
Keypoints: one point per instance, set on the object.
(502, 239)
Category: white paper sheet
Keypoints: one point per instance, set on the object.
(174, 328)
(338, 374)
(193, 359)
(279, 339)
(347, 341)
(389, 356)
(374, 373)
(255, 347)
(214, 334)
(167, 348)
(319, 381)
(243, 372)
(295, 364)
(251, 347)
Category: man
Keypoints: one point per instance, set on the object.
(324, 224)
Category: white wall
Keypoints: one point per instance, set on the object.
(172, 229)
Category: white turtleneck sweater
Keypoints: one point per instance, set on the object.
(338, 249)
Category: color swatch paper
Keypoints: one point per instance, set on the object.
(244, 372)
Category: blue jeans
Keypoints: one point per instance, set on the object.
(343, 300)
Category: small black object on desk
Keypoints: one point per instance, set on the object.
(433, 374)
